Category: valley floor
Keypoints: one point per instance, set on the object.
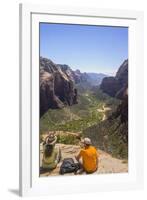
(107, 164)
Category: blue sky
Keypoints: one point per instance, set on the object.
(100, 49)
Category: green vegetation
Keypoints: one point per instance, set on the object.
(107, 135)
(74, 118)
(67, 139)
(104, 98)
(84, 118)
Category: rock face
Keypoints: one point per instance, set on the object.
(56, 87)
(80, 77)
(118, 87)
(121, 113)
(93, 79)
(115, 86)
(111, 134)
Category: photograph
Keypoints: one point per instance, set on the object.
(83, 99)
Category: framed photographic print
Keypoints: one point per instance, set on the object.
(81, 97)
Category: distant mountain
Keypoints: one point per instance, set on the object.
(92, 79)
(56, 87)
(96, 78)
(116, 86)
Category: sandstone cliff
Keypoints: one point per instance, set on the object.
(115, 86)
(56, 87)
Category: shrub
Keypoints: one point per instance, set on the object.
(67, 139)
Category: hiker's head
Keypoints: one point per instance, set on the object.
(86, 142)
(51, 138)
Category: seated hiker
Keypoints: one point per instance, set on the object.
(51, 153)
(89, 157)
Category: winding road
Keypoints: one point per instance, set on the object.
(104, 110)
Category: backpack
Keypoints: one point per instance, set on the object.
(68, 166)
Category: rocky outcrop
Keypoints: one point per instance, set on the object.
(115, 86)
(56, 87)
(80, 77)
(107, 163)
(110, 85)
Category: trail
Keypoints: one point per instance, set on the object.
(104, 110)
(107, 164)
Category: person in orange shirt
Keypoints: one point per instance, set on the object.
(89, 157)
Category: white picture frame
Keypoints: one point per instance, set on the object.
(30, 182)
